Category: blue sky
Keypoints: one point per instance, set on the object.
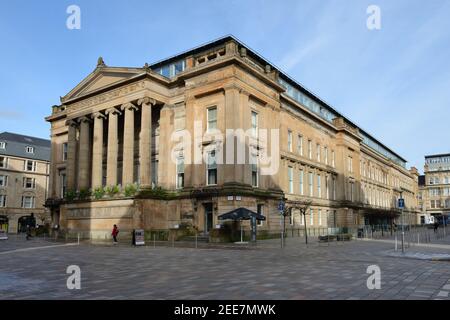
(393, 82)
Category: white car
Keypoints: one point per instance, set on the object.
(3, 235)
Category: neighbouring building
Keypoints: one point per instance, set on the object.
(122, 126)
(434, 185)
(24, 177)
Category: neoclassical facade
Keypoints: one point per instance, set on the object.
(175, 131)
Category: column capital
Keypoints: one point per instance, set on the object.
(113, 111)
(98, 115)
(147, 100)
(128, 106)
(84, 119)
(71, 123)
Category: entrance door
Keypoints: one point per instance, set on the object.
(4, 223)
(208, 217)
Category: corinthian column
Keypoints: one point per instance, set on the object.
(113, 146)
(71, 154)
(97, 150)
(145, 142)
(128, 144)
(83, 156)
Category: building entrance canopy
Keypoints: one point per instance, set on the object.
(241, 214)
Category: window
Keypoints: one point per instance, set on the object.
(64, 151)
(212, 168)
(333, 159)
(254, 163)
(334, 188)
(3, 181)
(311, 191)
(180, 172)
(2, 201)
(3, 162)
(327, 187)
(254, 124)
(30, 165)
(311, 216)
(2, 145)
(29, 183)
(29, 149)
(301, 182)
(319, 186)
(309, 149)
(212, 119)
(320, 217)
(63, 184)
(289, 141)
(27, 202)
(260, 210)
(318, 153)
(325, 151)
(350, 164)
(291, 180)
(300, 145)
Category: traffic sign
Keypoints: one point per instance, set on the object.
(281, 207)
(401, 203)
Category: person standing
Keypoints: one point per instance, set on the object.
(114, 234)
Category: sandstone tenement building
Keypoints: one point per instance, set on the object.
(434, 189)
(117, 127)
(24, 176)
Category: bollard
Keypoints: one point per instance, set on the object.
(78, 236)
(196, 235)
(396, 246)
(418, 239)
(173, 242)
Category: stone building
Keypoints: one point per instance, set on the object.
(177, 129)
(24, 176)
(434, 195)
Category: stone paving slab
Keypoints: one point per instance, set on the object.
(265, 272)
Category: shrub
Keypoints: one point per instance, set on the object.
(84, 194)
(130, 190)
(99, 192)
(70, 195)
(112, 190)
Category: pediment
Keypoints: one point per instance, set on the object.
(101, 78)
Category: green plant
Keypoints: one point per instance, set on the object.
(70, 195)
(84, 194)
(112, 190)
(130, 190)
(99, 192)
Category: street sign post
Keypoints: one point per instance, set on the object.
(401, 205)
(281, 207)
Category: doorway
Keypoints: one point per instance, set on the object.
(208, 222)
(4, 223)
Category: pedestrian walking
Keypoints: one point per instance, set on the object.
(436, 225)
(114, 233)
(28, 233)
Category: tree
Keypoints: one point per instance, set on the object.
(303, 206)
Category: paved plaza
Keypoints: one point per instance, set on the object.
(36, 269)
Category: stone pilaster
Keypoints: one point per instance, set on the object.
(71, 155)
(97, 150)
(84, 154)
(145, 142)
(128, 144)
(113, 146)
